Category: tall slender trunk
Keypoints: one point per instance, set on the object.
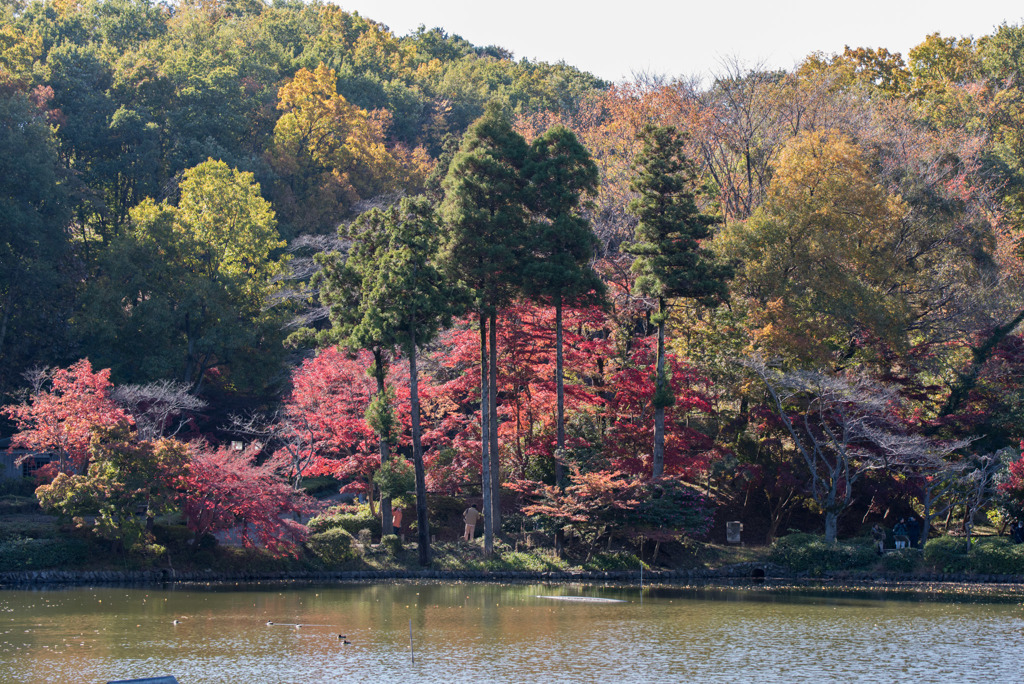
(831, 524)
(560, 395)
(495, 511)
(485, 450)
(385, 501)
(560, 420)
(658, 457)
(422, 522)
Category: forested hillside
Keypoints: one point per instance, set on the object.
(109, 104)
(616, 303)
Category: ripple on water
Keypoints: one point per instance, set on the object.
(492, 633)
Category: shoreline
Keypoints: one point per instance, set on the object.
(759, 577)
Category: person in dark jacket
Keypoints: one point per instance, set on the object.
(913, 530)
(899, 533)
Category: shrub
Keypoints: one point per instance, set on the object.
(524, 562)
(445, 515)
(902, 560)
(35, 554)
(809, 553)
(947, 554)
(319, 485)
(331, 547)
(392, 544)
(22, 486)
(614, 560)
(12, 504)
(350, 522)
(175, 537)
(365, 536)
(988, 556)
(997, 556)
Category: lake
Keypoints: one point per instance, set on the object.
(498, 633)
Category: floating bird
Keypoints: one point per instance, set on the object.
(269, 623)
(342, 636)
(176, 622)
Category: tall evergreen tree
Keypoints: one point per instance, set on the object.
(406, 298)
(560, 171)
(488, 236)
(346, 282)
(670, 262)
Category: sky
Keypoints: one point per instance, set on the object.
(684, 38)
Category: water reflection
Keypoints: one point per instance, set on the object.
(484, 633)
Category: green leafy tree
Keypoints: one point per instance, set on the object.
(125, 475)
(33, 241)
(670, 261)
(188, 288)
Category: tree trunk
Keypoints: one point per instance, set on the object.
(658, 457)
(495, 511)
(560, 395)
(485, 451)
(831, 523)
(385, 501)
(422, 520)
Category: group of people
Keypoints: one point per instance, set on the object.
(1017, 532)
(906, 534)
(470, 517)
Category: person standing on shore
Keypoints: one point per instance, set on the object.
(899, 534)
(396, 520)
(913, 530)
(470, 517)
(878, 535)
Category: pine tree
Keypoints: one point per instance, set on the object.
(406, 299)
(560, 172)
(487, 240)
(670, 262)
(345, 283)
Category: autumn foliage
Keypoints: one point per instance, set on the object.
(59, 416)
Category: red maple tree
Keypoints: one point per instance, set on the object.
(60, 413)
(226, 491)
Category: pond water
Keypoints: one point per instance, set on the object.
(498, 633)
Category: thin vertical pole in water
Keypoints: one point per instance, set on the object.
(641, 583)
(412, 654)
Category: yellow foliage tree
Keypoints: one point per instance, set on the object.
(332, 153)
(821, 261)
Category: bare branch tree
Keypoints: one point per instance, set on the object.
(842, 427)
(155, 406)
(291, 438)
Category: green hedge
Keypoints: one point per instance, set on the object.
(12, 504)
(392, 544)
(988, 556)
(350, 522)
(332, 546)
(39, 554)
(809, 553)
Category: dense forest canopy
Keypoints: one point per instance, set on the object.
(737, 251)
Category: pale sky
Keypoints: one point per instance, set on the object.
(614, 39)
